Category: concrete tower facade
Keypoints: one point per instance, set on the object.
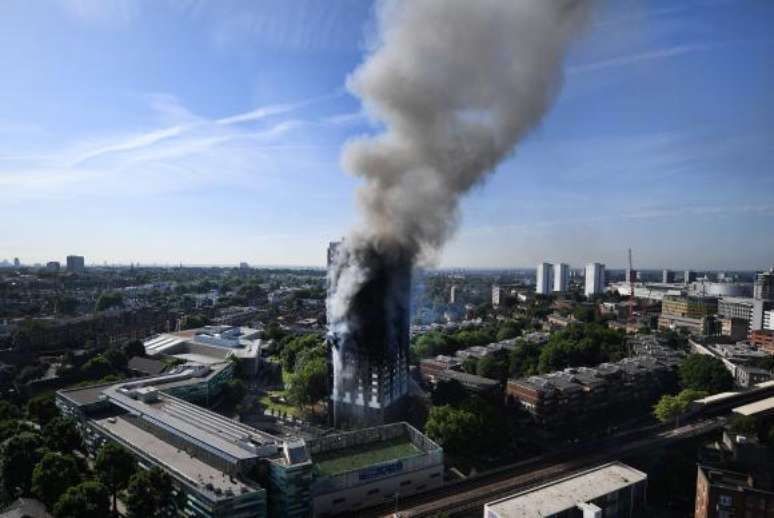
(561, 277)
(545, 274)
(595, 279)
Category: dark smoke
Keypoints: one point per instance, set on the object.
(457, 83)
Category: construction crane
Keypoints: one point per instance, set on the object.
(630, 274)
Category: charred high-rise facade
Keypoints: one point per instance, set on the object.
(370, 345)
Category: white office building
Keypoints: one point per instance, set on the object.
(595, 279)
(561, 277)
(545, 276)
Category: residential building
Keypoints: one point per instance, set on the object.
(454, 293)
(689, 276)
(53, 266)
(747, 376)
(16, 262)
(736, 307)
(75, 263)
(689, 306)
(764, 286)
(559, 398)
(723, 493)
(667, 276)
(333, 249)
(612, 490)
(561, 277)
(595, 279)
(544, 283)
(498, 295)
(758, 316)
(735, 328)
(764, 340)
(768, 320)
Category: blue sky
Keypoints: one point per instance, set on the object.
(209, 132)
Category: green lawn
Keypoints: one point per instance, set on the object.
(348, 459)
(266, 402)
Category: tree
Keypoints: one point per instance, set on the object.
(194, 321)
(9, 411)
(149, 493)
(509, 329)
(18, 456)
(455, 429)
(233, 392)
(294, 348)
(745, 425)
(116, 358)
(310, 383)
(703, 372)
(53, 475)
(491, 367)
(107, 300)
(114, 466)
(449, 392)
(670, 407)
(523, 360)
(61, 435)
(585, 313)
(42, 408)
(134, 348)
(86, 500)
(97, 368)
(470, 365)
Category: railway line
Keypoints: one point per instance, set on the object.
(467, 497)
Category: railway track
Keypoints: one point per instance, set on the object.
(467, 497)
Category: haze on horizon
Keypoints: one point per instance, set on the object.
(204, 133)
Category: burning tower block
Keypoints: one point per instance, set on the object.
(370, 346)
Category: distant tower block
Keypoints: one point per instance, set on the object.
(544, 279)
(561, 277)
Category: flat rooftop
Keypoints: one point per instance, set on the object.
(758, 407)
(231, 438)
(353, 458)
(716, 397)
(179, 462)
(85, 395)
(567, 493)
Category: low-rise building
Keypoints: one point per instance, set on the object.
(735, 328)
(694, 307)
(360, 469)
(225, 468)
(614, 490)
(557, 398)
(764, 340)
(210, 345)
(724, 494)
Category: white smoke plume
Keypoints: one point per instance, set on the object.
(457, 84)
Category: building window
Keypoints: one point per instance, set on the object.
(337, 501)
(405, 483)
(726, 500)
(435, 475)
(373, 491)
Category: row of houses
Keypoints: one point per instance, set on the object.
(559, 397)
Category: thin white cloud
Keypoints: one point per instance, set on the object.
(260, 113)
(634, 59)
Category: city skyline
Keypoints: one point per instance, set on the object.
(216, 140)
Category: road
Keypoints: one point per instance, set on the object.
(467, 497)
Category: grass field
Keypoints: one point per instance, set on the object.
(266, 402)
(348, 459)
